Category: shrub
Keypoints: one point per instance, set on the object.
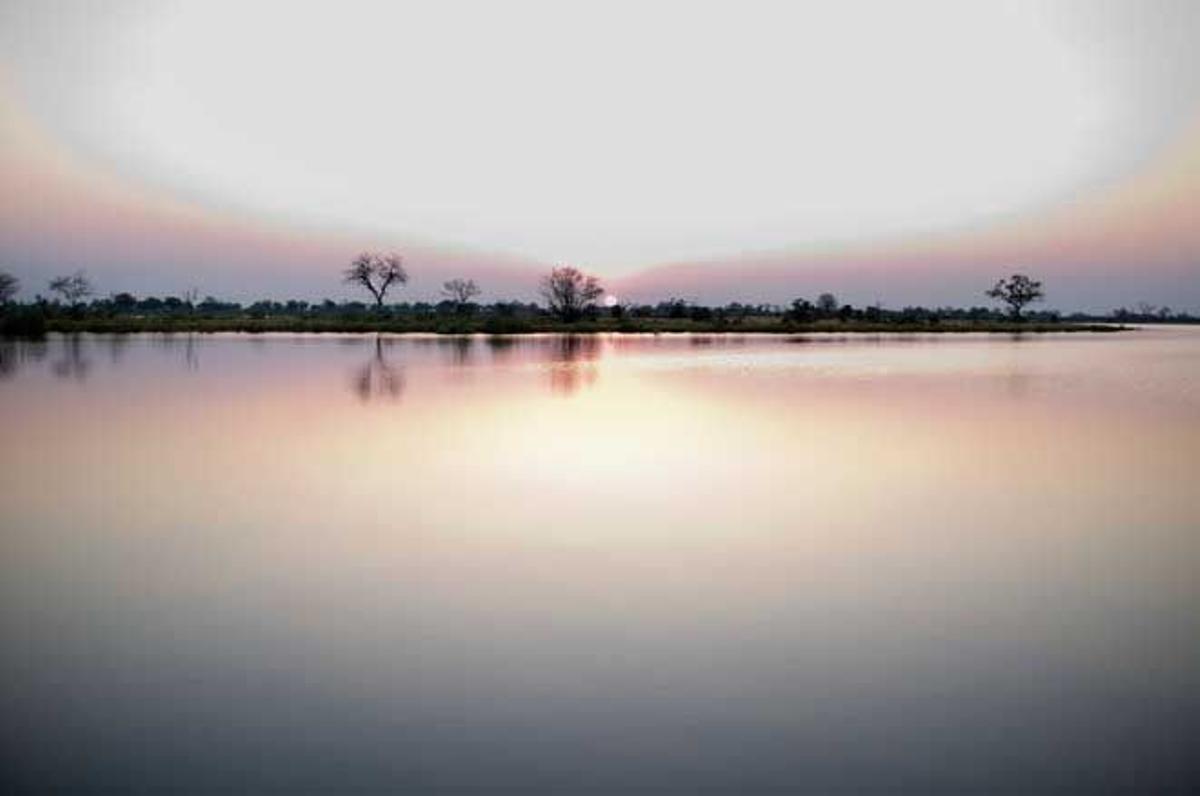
(23, 322)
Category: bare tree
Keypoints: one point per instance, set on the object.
(827, 303)
(73, 288)
(570, 292)
(460, 291)
(376, 273)
(9, 285)
(1016, 291)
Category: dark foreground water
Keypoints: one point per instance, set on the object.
(620, 565)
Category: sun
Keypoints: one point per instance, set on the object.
(611, 301)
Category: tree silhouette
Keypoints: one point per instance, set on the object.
(1016, 291)
(460, 291)
(569, 292)
(377, 273)
(9, 285)
(73, 288)
(801, 311)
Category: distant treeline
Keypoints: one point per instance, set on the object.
(800, 310)
(571, 303)
(126, 312)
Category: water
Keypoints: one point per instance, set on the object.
(616, 564)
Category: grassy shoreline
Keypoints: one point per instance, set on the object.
(503, 326)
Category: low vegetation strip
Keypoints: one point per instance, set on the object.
(572, 302)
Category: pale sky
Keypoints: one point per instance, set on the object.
(902, 152)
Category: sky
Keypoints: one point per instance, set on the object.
(895, 152)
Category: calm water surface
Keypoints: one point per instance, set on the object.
(610, 564)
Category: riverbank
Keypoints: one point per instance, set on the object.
(503, 326)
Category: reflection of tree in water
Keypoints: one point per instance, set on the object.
(186, 344)
(501, 347)
(191, 356)
(15, 352)
(73, 363)
(117, 343)
(1018, 379)
(460, 347)
(572, 363)
(378, 378)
